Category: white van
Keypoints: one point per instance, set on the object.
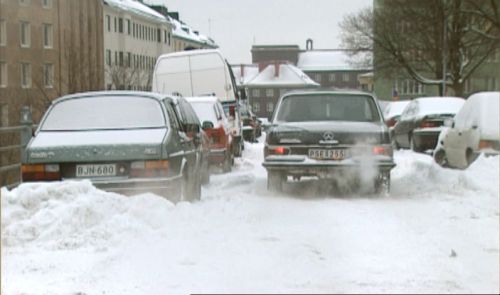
(198, 73)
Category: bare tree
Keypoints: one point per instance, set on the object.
(433, 42)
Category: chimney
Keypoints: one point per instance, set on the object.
(242, 70)
(262, 66)
(276, 69)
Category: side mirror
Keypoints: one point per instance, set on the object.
(448, 122)
(232, 111)
(207, 125)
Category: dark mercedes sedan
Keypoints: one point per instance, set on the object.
(336, 135)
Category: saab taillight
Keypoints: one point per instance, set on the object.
(488, 144)
(40, 172)
(149, 168)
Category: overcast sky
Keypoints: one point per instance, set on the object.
(236, 25)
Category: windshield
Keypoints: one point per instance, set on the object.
(205, 111)
(104, 112)
(327, 107)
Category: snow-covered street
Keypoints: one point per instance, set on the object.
(438, 231)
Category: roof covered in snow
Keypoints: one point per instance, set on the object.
(181, 30)
(249, 72)
(288, 75)
(138, 8)
(331, 60)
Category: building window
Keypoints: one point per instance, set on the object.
(120, 25)
(331, 77)
(3, 32)
(256, 107)
(116, 58)
(4, 114)
(114, 20)
(129, 59)
(108, 57)
(25, 75)
(48, 75)
(128, 27)
(168, 37)
(47, 35)
(108, 22)
(121, 58)
(25, 34)
(491, 84)
(409, 86)
(317, 78)
(255, 92)
(3, 74)
(269, 92)
(345, 77)
(158, 35)
(47, 3)
(270, 107)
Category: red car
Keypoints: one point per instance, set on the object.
(216, 126)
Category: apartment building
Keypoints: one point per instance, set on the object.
(134, 36)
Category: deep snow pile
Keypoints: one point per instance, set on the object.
(436, 232)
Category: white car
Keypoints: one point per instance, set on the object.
(474, 130)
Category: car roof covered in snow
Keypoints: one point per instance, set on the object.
(208, 98)
(157, 96)
(438, 105)
(395, 108)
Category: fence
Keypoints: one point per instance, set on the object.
(12, 149)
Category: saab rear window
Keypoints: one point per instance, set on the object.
(105, 112)
(328, 107)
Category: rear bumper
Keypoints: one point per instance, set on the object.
(304, 166)
(168, 187)
(217, 156)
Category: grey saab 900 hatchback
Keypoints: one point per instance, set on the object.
(335, 135)
(121, 141)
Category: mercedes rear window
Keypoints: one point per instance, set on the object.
(328, 107)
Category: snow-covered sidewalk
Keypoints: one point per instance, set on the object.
(438, 231)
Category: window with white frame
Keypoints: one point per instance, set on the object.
(491, 84)
(317, 78)
(3, 74)
(108, 57)
(47, 35)
(409, 86)
(3, 32)
(256, 107)
(48, 75)
(331, 77)
(269, 92)
(345, 77)
(25, 34)
(25, 75)
(256, 92)
(270, 107)
(108, 22)
(47, 3)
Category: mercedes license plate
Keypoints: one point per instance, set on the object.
(95, 170)
(327, 154)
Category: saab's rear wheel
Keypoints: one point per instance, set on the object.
(191, 186)
(275, 181)
(470, 156)
(228, 162)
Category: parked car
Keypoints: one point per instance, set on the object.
(422, 121)
(392, 113)
(123, 141)
(328, 134)
(216, 126)
(192, 126)
(251, 125)
(474, 130)
(198, 73)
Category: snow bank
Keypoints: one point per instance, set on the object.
(70, 215)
